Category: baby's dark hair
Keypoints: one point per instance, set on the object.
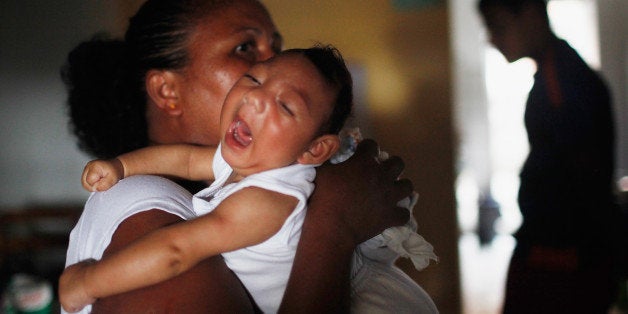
(331, 65)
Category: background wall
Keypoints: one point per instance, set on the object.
(39, 162)
(614, 65)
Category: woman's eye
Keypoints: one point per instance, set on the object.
(246, 47)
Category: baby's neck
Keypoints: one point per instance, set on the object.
(235, 177)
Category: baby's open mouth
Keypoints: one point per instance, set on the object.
(241, 132)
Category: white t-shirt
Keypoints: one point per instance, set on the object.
(104, 211)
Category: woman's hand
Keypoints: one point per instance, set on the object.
(72, 293)
(352, 202)
(360, 195)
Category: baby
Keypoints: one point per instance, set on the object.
(279, 121)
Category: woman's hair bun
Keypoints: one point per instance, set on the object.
(105, 105)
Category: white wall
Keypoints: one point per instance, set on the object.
(39, 161)
(614, 56)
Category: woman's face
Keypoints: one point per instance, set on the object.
(222, 48)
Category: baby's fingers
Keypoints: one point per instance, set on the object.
(94, 178)
(105, 183)
(100, 175)
(72, 294)
(72, 309)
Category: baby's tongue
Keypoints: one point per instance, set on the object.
(242, 133)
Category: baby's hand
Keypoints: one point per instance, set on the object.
(100, 175)
(72, 293)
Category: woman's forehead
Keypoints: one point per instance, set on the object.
(285, 60)
(242, 14)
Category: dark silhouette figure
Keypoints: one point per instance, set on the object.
(563, 260)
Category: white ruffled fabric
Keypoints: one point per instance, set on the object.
(403, 241)
(406, 242)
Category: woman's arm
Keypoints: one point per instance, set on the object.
(353, 201)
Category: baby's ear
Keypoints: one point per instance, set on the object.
(320, 150)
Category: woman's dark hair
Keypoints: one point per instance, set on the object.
(105, 77)
(330, 64)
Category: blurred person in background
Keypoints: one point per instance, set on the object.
(564, 258)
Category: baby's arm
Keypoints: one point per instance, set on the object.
(183, 161)
(246, 218)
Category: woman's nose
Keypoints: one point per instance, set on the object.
(265, 54)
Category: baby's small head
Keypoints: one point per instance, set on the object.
(331, 66)
(288, 109)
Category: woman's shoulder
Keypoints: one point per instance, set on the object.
(140, 193)
(105, 211)
(147, 185)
